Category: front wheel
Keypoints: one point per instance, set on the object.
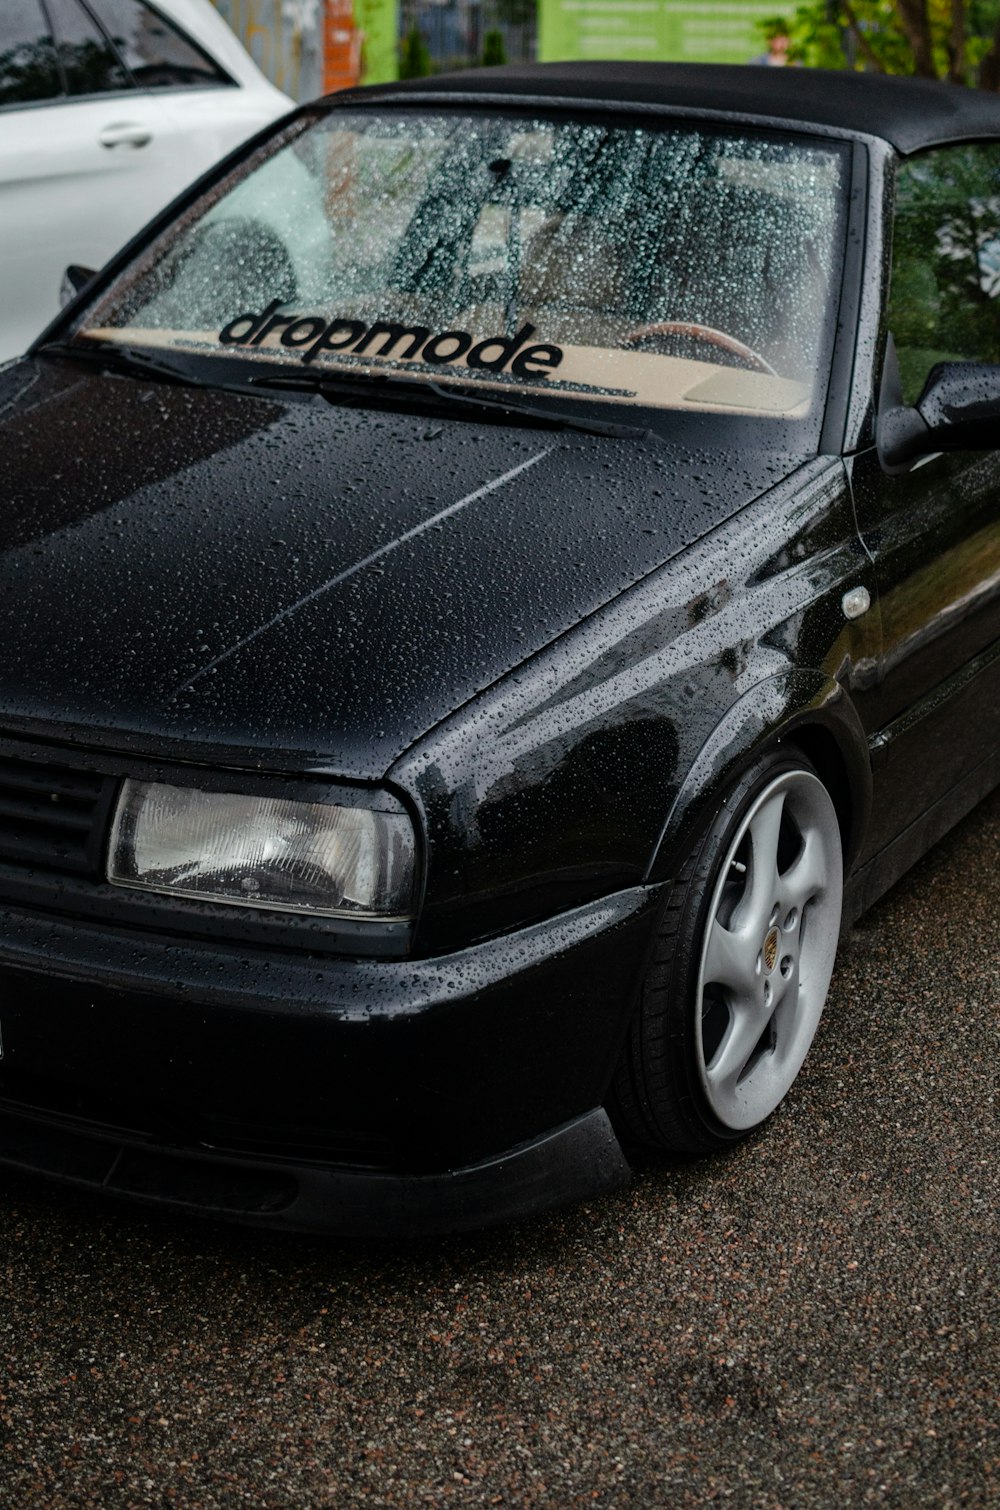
(733, 996)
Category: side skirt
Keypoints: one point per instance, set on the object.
(883, 870)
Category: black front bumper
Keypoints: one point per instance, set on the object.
(568, 1164)
(352, 1096)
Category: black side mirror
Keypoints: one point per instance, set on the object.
(958, 410)
(74, 281)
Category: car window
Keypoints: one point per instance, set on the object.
(944, 304)
(676, 268)
(89, 63)
(28, 67)
(157, 53)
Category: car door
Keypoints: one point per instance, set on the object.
(934, 532)
(107, 110)
(81, 168)
(209, 110)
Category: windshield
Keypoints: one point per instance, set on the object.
(673, 268)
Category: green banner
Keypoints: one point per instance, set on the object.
(717, 31)
(378, 22)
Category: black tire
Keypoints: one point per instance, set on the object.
(663, 1093)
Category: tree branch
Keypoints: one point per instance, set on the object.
(916, 27)
(850, 15)
(956, 43)
(989, 68)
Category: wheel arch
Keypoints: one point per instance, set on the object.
(819, 744)
(804, 709)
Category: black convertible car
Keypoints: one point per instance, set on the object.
(491, 579)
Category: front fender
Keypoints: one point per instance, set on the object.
(557, 785)
(800, 707)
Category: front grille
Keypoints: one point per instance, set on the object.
(53, 817)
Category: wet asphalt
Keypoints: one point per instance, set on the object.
(813, 1320)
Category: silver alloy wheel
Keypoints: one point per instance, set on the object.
(769, 948)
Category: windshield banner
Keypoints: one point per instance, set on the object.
(313, 335)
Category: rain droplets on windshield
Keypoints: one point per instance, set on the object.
(675, 268)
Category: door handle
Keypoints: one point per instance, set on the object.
(125, 134)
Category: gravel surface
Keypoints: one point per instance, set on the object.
(809, 1321)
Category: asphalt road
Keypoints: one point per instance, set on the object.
(811, 1321)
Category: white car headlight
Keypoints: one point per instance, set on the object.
(311, 857)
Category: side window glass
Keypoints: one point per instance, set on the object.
(89, 63)
(157, 54)
(944, 303)
(28, 67)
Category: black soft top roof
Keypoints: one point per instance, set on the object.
(909, 113)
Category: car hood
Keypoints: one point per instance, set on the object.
(302, 585)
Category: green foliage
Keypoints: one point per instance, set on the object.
(865, 34)
(869, 34)
(414, 55)
(774, 26)
(494, 52)
(983, 26)
(946, 262)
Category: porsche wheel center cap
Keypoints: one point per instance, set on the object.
(770, 950)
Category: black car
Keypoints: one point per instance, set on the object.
(491, 579)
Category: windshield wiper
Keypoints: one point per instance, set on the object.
(335, 384)
(128, 359)
(139, 363)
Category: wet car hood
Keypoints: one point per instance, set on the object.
(293, 583)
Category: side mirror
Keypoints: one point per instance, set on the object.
(958, 410)
(74, 281)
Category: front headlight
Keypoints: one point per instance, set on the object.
(311, 857)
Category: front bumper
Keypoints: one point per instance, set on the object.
(568, 1164)
(353, 1096)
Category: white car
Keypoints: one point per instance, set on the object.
(108, 108)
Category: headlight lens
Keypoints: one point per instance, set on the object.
(309, 857)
